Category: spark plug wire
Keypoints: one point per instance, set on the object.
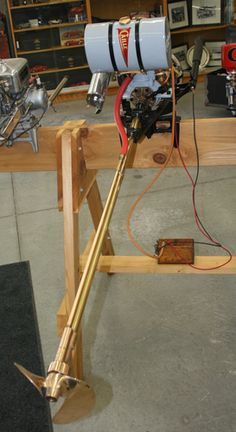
(117, 117)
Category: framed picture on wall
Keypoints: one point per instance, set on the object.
(206, 12)
(180, 53)
(178, 15)
(214, 48)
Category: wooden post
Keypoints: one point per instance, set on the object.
(71, 244)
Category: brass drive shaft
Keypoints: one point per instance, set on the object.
(69, 335)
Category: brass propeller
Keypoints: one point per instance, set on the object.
(79, 396)
(36, 380)
(78, 403)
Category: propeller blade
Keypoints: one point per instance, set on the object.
(37, 380)
(79, 396)
(79, 401)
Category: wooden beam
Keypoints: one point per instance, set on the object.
(71, 247)
(59, 167)
(82, 179)
(71, 232)
(216, 140)
(62, 317)
(143, 264)
(20, 157)
(89, 244)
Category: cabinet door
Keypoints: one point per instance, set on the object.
(51, 37)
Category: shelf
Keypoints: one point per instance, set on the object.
(48, 71)
(49, 54)
(57, 48)
(47, 27)
(79, 92)
(198, 29)
(36, 5)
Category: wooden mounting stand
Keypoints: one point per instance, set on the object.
(77, 150)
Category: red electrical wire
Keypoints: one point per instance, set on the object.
(209, 237)
(194, 184)
(120, 126)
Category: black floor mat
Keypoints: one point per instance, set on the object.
(22, 409)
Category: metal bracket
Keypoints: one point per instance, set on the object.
(168, 129)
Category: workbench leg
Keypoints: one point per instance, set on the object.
(71, 243)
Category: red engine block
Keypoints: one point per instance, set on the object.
(229, 56)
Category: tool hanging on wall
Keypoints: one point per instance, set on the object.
(139, 52)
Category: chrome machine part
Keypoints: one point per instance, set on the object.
(228, 54)
(37, 98)
(97, 90)
(14, 75)
(141, 89)
(231, 91)
(128, 45)
(20, 96)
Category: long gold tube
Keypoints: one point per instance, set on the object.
(74, 320)
(95, 251)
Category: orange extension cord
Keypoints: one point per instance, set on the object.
(150, 184)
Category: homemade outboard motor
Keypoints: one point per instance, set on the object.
(139, 53)
(125, 46)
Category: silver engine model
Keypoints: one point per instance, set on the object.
(20, 97)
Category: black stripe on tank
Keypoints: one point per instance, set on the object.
(111, 51)
(137, 45)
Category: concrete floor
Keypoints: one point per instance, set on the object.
(159, 350)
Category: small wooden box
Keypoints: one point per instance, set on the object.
(175, 251)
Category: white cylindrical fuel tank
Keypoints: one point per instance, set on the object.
(139, 45)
